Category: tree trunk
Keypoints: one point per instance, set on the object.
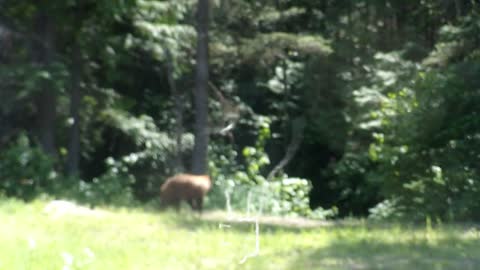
(200, 149)
(42, 53)
(73, 158)
(46, 103)
(298, 125)
(458, 9)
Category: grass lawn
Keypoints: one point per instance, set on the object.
(136, 239)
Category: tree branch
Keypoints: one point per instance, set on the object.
(298, 126)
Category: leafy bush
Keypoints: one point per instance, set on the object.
(386, 209)
(426, 147)
(25, 170)
(287, 196)
(243, 187)
(150, 162)
(112, 187)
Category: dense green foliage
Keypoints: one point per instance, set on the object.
(25, 170)
(388, 92)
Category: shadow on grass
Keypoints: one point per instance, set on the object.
(193, 222)
(190, 220)
(271, 225)
(451, 253)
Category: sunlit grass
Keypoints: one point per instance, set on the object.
(136, 239)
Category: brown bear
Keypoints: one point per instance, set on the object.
(185, 187)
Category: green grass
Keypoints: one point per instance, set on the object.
(136, 239)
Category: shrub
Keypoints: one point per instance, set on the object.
(243, 187)
(25, 170)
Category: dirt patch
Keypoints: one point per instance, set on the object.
(292, 222)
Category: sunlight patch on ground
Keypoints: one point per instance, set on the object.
(59, 208)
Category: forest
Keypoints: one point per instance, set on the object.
(321, 109)
(304, 134)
